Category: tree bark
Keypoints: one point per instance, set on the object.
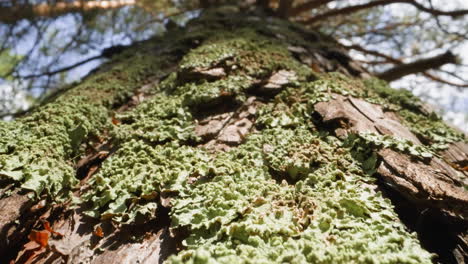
(17, 12)
(239, 138)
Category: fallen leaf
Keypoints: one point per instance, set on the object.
(115, 121)
(98, 232)
(47, 227)
(40, 237)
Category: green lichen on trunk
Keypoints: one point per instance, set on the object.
(37, 150)
(291, 192)
(331, 214)
(428, 126)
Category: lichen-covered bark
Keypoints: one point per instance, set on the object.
(256, 141)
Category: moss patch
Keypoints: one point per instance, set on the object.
(37, 150)
(331, 215)
(159, 119)
(129, 184)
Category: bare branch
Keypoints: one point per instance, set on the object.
(64, 69)
(440, 80)
(375, 53)
(389, 59)
(352, 9)
(418, 66)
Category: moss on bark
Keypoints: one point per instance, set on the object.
(291, 191)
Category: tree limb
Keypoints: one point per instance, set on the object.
(418, 66)
(352, 9)
(375, 53)
(29, 11)
(389, 59)
(440, 80)
(64, 69)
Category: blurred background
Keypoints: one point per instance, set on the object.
(46, 45)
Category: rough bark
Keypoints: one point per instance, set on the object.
(231, 140)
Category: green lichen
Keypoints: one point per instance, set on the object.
(432, 129)
(293, 152)
(37, 151)
(369, 140)
(128, 186)
(364, 147)
(195, 94)
(160, 119)
(243, 52)
(297, 102)
(332, 214)
(427, 126)
(289, 193)
(294, 105)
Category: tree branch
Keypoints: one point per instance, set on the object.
(440, 80)
(375, 53)
(352, 9)
(64, 69)
(389, 59)
(418, 66)
(29, 11)
(307, 6)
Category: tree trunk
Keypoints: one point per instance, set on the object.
(239, 138)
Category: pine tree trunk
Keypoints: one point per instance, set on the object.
(239, 138)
